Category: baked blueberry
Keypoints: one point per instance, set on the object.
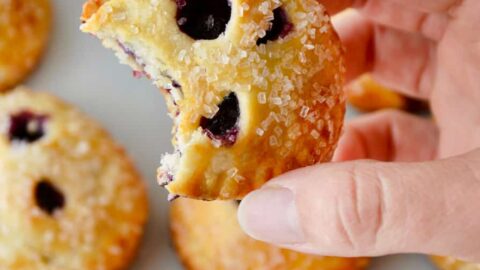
(26, 126)
(224, 125)
(48, 197)
(203, 19)
(281, 27)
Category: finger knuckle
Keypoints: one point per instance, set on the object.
(359, 215)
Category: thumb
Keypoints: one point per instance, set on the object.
(371, 208)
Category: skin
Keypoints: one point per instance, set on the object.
(399, 183)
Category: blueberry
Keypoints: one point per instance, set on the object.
(48, 197)
(224, 125)
(176, 84)
(26, 126)
(280, 28)
(203, 19)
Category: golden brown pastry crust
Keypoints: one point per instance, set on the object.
(289, 91)
(449, 263)
(207, 237)
(366, 94)
(90, 7)
(24, 31)
(70, 198)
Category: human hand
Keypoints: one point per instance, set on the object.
(421, 194)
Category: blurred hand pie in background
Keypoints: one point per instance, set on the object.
(208, 236)
(24, 31)
(70, 197)
(366, 95)
(449, 263)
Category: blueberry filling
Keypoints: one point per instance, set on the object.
(280, 28)
(172, 197)
(223, 126)
(127, 50)
(203, 19)
(138, 74)
(167, 180)
(176, 84)
(48, 197)
(26, 127)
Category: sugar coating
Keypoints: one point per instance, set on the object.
(100, 221)
(285, 88)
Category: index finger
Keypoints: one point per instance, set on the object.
(409, 68)
(429, 6)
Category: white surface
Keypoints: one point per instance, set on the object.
(77, 68)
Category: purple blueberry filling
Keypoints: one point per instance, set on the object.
(176, 84)
(172, 197)
(127, 50)
(138, 74)
(223, 127)
(281, 27)
(26, 126)
(203, 19)
(48, 197)
(167, 180)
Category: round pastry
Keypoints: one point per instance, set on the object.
(207, 236)
(24, 29)
(254, 87)
(368, 95)
(69, 196)
(449, 263)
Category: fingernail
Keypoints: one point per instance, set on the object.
(270, 215)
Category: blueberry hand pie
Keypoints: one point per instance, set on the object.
(255, 88)
(70, 197)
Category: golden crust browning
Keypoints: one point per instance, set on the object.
(24, 31)
(449, 263)
(366, 94)
(90, 7)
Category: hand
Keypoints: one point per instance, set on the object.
(422, 194)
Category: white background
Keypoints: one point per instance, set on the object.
(77, 68)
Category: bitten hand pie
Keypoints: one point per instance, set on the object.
(254, 87)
